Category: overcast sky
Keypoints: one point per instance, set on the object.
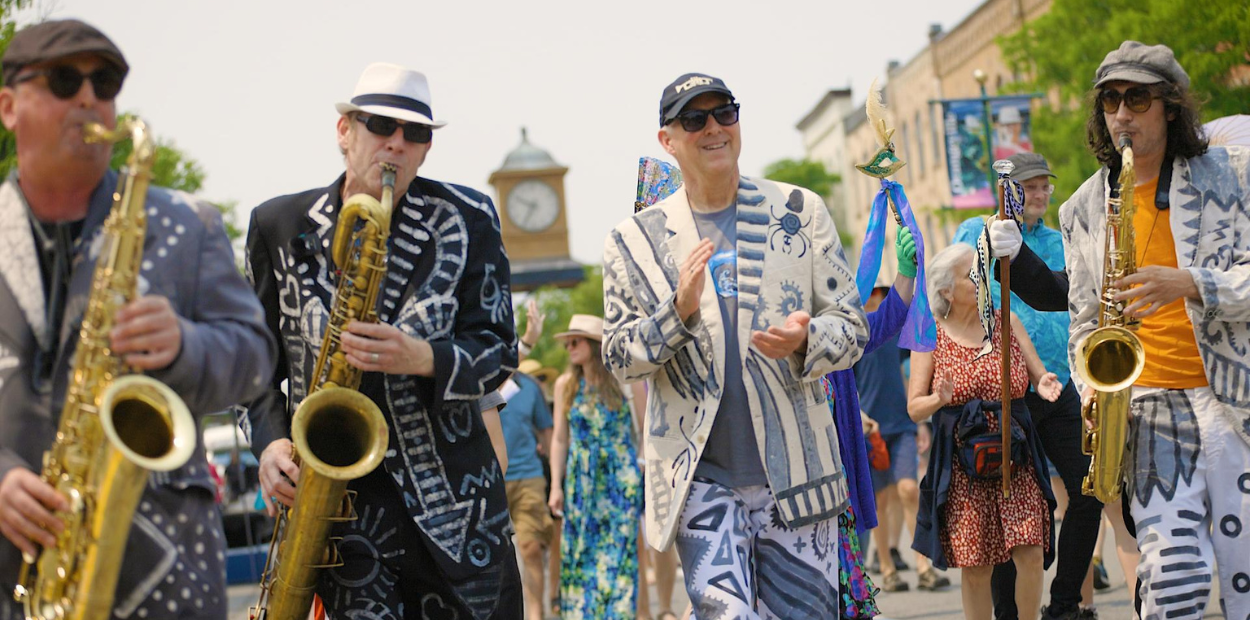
(248, 88)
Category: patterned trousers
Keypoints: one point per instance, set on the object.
(1189, 484)
(741, 561)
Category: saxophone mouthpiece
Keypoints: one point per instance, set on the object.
(388, 175)
(1125, 141)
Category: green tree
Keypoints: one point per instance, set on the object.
(804, 173)
(172, 168)
(1061, 50)
(8, 27)
(175, 169)
(814, 176)
(558, 305)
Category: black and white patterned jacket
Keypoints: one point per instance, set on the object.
(448, 283)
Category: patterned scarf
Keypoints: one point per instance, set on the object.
(983, 267)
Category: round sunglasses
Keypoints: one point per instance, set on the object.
(1137, 98)
(65, 81)
(696, 120)
(384, 126)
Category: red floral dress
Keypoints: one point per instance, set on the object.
(979, 527)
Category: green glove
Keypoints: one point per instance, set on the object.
(905, 250)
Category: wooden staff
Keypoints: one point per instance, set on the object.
(1004, 420)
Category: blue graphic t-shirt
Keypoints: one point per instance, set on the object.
(731, 458)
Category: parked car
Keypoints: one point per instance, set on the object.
(248, 528)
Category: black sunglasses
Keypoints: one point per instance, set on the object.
(384, 126)
(1137, 98)
(696, 120)
(64, 81)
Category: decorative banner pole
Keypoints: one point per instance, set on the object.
(919, 333)
(885, 162)
(1004, 168)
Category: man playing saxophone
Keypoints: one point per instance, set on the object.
(193, 325)
(432, 534)
(1188, 461)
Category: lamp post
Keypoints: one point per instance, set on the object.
(990, 176)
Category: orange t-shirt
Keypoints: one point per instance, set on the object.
(1172, 360)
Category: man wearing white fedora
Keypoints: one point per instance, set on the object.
(432, 537)
(731, 298)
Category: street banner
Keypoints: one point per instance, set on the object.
(967, 158)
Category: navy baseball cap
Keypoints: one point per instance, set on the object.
(684, 89)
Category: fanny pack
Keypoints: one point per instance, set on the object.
(878, 452)
(980, 450)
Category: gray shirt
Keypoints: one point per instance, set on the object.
(731, 457)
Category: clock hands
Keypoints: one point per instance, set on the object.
(530, 208)
(532, 205)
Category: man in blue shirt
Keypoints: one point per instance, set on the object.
(1059, 423)
(526, 424)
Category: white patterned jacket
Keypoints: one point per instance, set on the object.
(1210, 219)
(789, 258)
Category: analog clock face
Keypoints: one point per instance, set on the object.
(533, 205)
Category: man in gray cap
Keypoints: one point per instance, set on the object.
(1058, 423)
(742, 462)
(1188, 464)
(195, 325)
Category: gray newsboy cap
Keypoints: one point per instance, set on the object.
(1028, 166)
(1144, 64)
(58, 39)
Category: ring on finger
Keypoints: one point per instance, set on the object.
(375, 357)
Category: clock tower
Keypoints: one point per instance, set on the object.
(530, 188)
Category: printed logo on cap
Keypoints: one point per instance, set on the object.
(697, 80)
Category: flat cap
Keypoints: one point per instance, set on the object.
(1143, 64)
(51, 40)
(1028, 166)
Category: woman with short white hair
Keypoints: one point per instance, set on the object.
(964, 520)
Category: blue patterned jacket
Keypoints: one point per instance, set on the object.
(1210, 219)
(789, 258)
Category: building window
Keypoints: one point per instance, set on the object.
(919, 144)
(905, 150)
(937, 142)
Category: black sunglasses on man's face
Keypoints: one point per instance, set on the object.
(384, 126)
(64, 81)
(1137, 98)
(696, 120)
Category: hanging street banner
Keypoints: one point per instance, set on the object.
(967, 159)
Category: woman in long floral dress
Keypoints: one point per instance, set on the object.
(593, 451)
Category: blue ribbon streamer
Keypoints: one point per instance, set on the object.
(919, 331)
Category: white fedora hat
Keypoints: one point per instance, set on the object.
(391, 90)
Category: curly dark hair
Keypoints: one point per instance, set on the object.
(1185, 135)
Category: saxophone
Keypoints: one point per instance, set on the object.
(339, 434)
(1112, 358)
(116, 425)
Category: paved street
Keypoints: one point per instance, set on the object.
(1113, 604)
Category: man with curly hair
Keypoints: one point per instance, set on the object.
(1189, 431)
